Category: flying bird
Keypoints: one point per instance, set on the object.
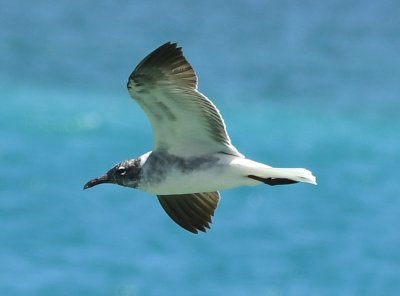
(193, 157)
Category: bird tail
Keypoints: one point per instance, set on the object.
(282, 176)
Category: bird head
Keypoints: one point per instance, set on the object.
(125, 173)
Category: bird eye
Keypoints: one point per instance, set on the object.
(121, 171)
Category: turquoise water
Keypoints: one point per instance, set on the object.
(311, 84)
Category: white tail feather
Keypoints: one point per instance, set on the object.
(295, 174)
(249, 167)
(265, 171)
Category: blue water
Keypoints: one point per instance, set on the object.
(300, 84)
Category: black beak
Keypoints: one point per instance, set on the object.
(97, 181)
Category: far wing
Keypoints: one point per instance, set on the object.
(191, 211)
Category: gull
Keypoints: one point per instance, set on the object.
(193, 157)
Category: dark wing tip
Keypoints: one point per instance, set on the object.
(192, 212)
(164, 63)
(273, 181)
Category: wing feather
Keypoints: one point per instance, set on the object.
(184, 121)
(191, 211)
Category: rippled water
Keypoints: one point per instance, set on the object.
(311, 84)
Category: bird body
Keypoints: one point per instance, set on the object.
(206, 173)
(163, 173)
(193, 157)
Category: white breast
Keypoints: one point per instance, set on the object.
(223, 173)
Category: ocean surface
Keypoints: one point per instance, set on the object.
(312, 84)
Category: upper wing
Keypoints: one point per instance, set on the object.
(184, 121)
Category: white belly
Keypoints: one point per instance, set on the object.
(225, 172)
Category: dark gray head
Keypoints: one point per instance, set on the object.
(126, 173)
